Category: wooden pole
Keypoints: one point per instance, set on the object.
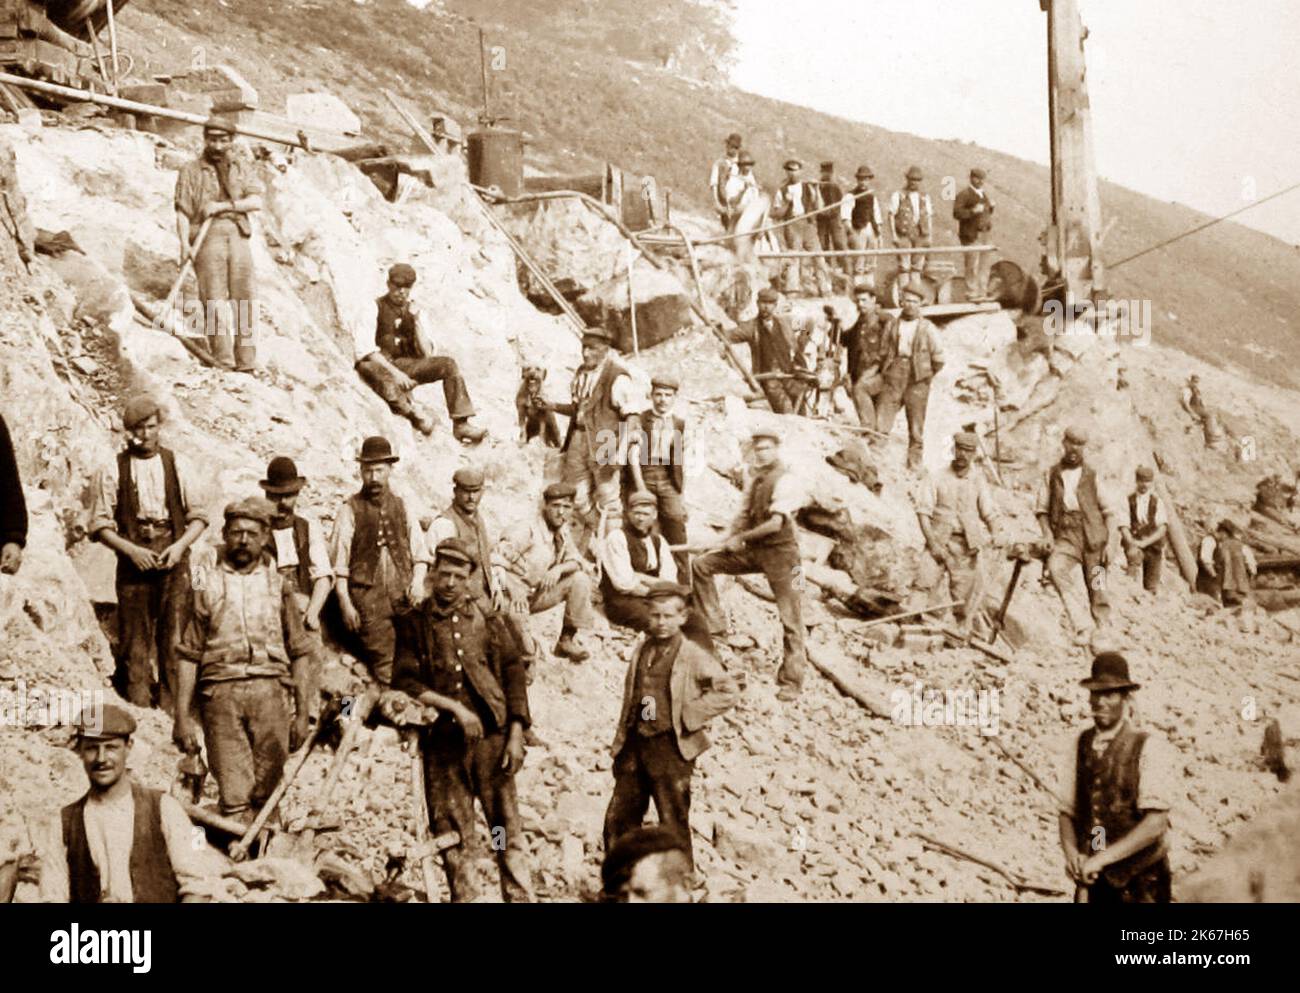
(631, 300)
(112, 45)
(239, 850)
(853, 253)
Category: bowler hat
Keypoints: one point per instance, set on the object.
(915, 173)
(376, 449)
(559, 491)
(1109, 672)
(467, 478)
(455, 550)
(282, 477)
(978, 173)
(401, 275)
(864, 172)
(139, 409)
(106, 721)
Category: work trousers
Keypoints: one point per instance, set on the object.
(598, 483)
(317, 657)
(1149, 562)
(574, 591)
(801, 236)
(1151, 885)
(224, 269)
(830, 233)
(441, 369)
(902, 389)
(783, 394)
(962, 580)
(905, 261)
(865, 393)
(977, 266)
(246, 732)
(650, 768)
(785, 578)
(866, 238)
(1070, 553)
(377, 634)
(151, 608)
(455, 774)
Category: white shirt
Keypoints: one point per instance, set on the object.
(1157, 782)
(618, 561)
(850, 201)
(150, 492)
(906, 335)
(286, 552)
(1209, 544)
(628, 396)
(1143, 511)
(920, 203)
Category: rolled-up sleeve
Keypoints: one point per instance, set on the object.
(189, 191)
(363, 333)
(184, 843)
(629, 396)
(420, 549)
(341, 541)
(1157, 774)
(318, 565)
(244, 181)
(926, 497)
(440, 529)
(103, 502)
(787, 495)
(192, 497)
(618, 562)
(1066, 770)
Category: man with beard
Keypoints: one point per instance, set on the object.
(220, 186)
(1116, 785)
(380, 559)
(243, 647)
(452, 656)
(1076, 517)
(143, 508)
(911, 356)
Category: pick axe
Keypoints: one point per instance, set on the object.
(1021, 553)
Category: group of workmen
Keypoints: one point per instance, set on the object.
(826, 215)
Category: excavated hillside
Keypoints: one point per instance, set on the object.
(817, 800)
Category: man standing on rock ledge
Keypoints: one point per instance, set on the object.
(398, 356)
(143, 509)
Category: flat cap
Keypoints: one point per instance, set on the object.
(401, 275)
(768, 295)
(559, 491)
(104, 721)
(253, 509)
(139, 409)
(793, 164)
(966, 439)
(455, 550)
(864, 172)
(598, 334)
(1076, 435)
(468, 477)
(218, 124)
(978, 173)
(665, 381)
(1145, 473)
(642, 498)
(662, 589)
(759, 434)
(915, 173)
(734, 140)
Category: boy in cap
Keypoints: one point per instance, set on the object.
(380, 558)
(672, 690)
(860, 213)
(911, 356)
(13, 507)
(1116, 786)
(453, 656)
(661, 468)
(146, 511)
(1076, 517)
(1144, 534)
(398, 356)
(797, 201)
(221, 186)
(765, 540)
(973, 211)
(911, 220)
(544, 568)
(772, 349)
(720, 178)
(243, 649)
(830, 223)
(120, 842)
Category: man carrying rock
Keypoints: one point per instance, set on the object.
(973, 211)
(1116, 785)
(661, 468)
(864, 352)
(243, 650)
(949, 507)
(544, 568)
(911, 221)
(764, 541)
(452, 656)
(672, 690)
(13, 507)
(221, 186)
(771, 341)
(912, 356)
(860, 213)
(1144, 534)
(380, 559)
(1076, 521)
(398, 357)
(143, 509)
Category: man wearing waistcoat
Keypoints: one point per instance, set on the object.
(797, 201)
(911, 221)
(973, 211)
(243, 651)
(1227, 566)
(864, 356)
(380, 559)
(724, 169)
(397, 358)
(764, 541)
(830, 224)
(673, 688)
(145, 510)
(911, 356)
(860, 213)
(771, 341)
(661, 467)
(452, 656)
(1116, 785)
(1076, 521)
(1144, 534)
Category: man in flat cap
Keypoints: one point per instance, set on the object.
(649, 864)
(632, 559)
(1116, 787)
(741, 190)
(462, 520)
(221, 187)
(380, 558)
(911, 356)
(950, 505)
(1076, 518)
(544, 568)
(453, 656)
(797, 201)
(13, 507)
(661, 467)
(860, 213)
(830, 223)
(672, 690)
(773, 350)
(973, 211)
(720, 177)
(396, 354)
(864, 354)
(1143, 536)
(146, 509)
(1227, 565)
(244, 650)
(121, 842)
(606, 402)
(764, 540)
(911, 220)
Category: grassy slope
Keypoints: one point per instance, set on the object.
(1228, 296)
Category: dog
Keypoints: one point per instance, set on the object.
(535, 417)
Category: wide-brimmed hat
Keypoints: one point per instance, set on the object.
(282, 477)
(376, 449)
(1109, 672)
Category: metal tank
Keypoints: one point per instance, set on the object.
(496, 158)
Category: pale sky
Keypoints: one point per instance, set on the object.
(1194, 101)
